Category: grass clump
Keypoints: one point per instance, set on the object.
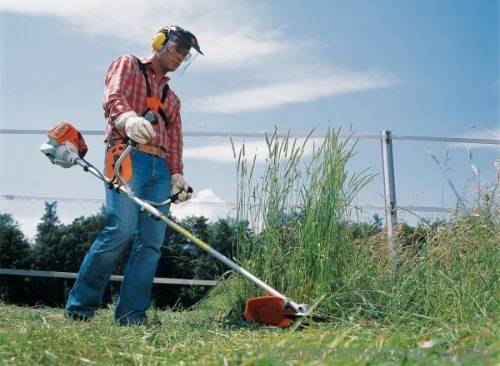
(303, 245)
(454, 274)
(300, 212)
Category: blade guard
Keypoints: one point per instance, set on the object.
(269, 310)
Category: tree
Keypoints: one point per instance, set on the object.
(47, 239)
(14, 251)
(60, 247)
(183, 259)
(14, 247)
(223, 240)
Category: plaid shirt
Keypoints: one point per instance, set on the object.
(125, 90)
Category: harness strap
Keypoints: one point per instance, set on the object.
(166, 88)
(142, 67)
(164, 93)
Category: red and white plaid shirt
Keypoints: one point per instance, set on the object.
(125, 90)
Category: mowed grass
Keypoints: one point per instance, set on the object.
(42, 336)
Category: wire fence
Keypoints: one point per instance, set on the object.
(468, 140)
(72, 275)
(410, 208)
(235, 134)
(390, 207)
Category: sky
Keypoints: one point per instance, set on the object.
(414, 67)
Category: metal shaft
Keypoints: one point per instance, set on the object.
(200, 243)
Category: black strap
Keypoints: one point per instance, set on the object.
(142, 67)
(166, 88)
(164, 93)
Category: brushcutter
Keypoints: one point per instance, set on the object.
(66, 147)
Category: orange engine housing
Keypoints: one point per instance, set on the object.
(66, 132)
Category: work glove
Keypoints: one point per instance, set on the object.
(181, 191)
(137, 128)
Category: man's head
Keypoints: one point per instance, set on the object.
(176, 48)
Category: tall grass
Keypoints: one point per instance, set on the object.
(303, 244)
(300, 210)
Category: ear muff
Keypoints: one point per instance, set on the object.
(160, 39)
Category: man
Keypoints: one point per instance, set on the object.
(138, 105)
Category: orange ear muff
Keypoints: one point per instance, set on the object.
(159, 40)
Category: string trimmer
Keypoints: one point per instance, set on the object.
(66, 147)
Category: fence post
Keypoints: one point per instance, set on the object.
(391, 215)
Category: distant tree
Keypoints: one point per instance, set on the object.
(177, 260)
(47, 239)
(183, 259)
(60, 247)
(14, 247)
(223, 240)
(14, 251)
(49, 222)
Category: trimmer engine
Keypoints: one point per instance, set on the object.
(65, 145)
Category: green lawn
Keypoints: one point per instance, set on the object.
(33, 336)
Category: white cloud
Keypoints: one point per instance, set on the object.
(284, 91)
(235, 35)
(226, 29)
(223, 153)
(204, 203)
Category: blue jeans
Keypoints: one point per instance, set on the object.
(151, 181)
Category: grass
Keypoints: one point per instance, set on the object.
(439, 307)
(42, 336)
(304, 245)
(300, 210)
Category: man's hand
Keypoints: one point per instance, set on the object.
(180, 188)
(137, 128)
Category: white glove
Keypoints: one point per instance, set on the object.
(180, 186)
(137, 128)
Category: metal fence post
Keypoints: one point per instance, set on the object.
(391, 215)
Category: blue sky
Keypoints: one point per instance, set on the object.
(413, 67)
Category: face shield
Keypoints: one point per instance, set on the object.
(185, 46)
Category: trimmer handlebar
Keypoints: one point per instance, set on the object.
(130, 146)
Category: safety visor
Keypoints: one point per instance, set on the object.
(185, 44)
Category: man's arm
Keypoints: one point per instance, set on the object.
(119, 79)
(120, 82)
(175, 142)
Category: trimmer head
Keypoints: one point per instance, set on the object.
(272, 310)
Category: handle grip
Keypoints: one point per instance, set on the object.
(150, 116)
(174, 197)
